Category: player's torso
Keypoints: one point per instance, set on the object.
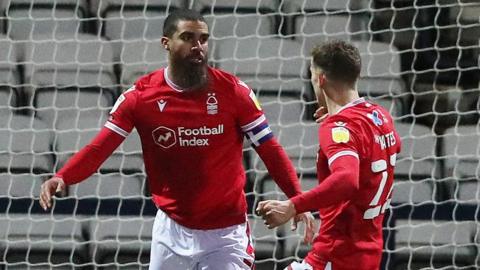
(362, 216)
(172, 122)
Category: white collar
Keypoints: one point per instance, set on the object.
(170, 82)
(351, 104)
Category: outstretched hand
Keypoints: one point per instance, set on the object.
(276, 213)
(48, 189)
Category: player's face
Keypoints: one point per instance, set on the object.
(188, 46)
(316, 74)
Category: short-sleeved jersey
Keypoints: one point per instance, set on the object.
(192, 144)
(351, 231)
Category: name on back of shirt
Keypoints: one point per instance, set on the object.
(386, 140)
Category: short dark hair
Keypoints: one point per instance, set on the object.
(170, 24)
(339, 60)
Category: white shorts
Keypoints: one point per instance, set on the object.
(176, 247)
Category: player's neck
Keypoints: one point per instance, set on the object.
(186, 80)
(338, 100)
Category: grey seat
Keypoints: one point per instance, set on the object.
(138, 58)
(37, 241)
(26, 18)
(73, 135)
(132, 19)
(56, 105)
(274, 72)
(70, 61)
(300, 141)
(9, 75)
(239, 19)
(25, 144)
(20, 185)
(460, 152)
(121, 241)
(127, 158)
(311, 22)
(112, 185)
(380, 78)
(434, 244)
(293, 247)
(417, 159)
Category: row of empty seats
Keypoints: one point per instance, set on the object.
(29, 146)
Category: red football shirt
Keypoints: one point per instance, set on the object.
(350, 236)
(192, 144)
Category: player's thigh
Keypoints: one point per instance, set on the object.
(225, 261)
(162, 258)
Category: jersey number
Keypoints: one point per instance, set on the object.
(375, 208)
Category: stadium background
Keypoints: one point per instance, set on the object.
(64, 62)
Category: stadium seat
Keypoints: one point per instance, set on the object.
(311, 22)
(421, 244)
(300, 141)
(460, 152)
(25, 144)
(36, 241)
(418, 159)
(20, 185)
(380, 78)
(266, 71)
(267, 248)
(73, 134)
(132, 19)
(107, 186)
(9, 74)
(138, 58)
(26, 18)
(80, 61)
(57, 105)
(121, 241)
(127, 158)
(229, 19)
(293, 248)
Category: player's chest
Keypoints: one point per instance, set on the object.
(177, 120)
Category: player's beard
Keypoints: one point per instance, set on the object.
(190, 72)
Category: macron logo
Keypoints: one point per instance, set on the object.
(161, 104)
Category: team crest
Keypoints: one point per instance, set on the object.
(212, 104)
(340, 135)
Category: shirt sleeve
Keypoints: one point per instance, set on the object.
(121, 120)
(339, 138)
(250, 116)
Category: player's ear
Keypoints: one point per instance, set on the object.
(165, 44)
(321, 79)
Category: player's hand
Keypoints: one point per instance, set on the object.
(320, 114)
(309, 221)
(276, 213)
(48, 189)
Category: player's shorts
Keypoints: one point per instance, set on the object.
(176, 247)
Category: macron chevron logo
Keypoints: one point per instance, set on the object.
(161, 104)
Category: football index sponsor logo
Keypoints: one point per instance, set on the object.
(187, 137)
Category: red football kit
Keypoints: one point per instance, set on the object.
(356, 160)
(192, 147)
